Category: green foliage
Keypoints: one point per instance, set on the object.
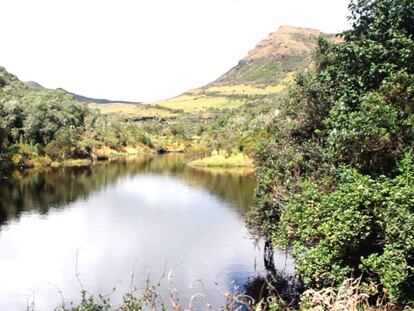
(54, 122)
(364, 225)
(336, 170)
(146, 140)
(66, 144)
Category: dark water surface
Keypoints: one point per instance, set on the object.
(147, 215)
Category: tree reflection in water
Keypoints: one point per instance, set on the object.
(275, 282)
(101, 188)
(34, 191)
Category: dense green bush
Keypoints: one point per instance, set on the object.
(364, 225)
(336, 175)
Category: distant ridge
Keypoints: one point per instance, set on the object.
(88, 100)
(81, 98)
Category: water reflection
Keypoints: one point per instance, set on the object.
(149, 214)
(39, 191)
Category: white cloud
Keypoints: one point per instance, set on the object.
(144, 49)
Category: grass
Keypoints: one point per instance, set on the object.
(150, 298)
(221, 160)
(219, 97)
(133, 110)
(192, 102)
(217, 170)
(106, 153)
(163, 108)
(216, 97)
(244, 89)
(349, 297)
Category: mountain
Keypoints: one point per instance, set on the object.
(266, 70)
(287, 50)
(80, 98)
(35, 86)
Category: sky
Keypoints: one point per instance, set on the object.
(144, 50)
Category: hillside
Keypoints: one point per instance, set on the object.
(229, 115)
(266, 70)
(286, 50)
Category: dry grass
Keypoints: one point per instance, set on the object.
(132, 110)
(285, 41)
(349, 297)
(249, 90)
(108, 153)
(200, 99)
(221, 160)
(243, 89)
(219, 96)
(192, 102)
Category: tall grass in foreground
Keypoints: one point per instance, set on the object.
(348, 297)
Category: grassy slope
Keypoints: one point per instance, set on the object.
(287, 50)
(134, 111)
(266, 70)
(193, 101)
(222, 96)
(260, 77)
(257, 80)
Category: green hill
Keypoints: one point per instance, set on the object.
(266, 70)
